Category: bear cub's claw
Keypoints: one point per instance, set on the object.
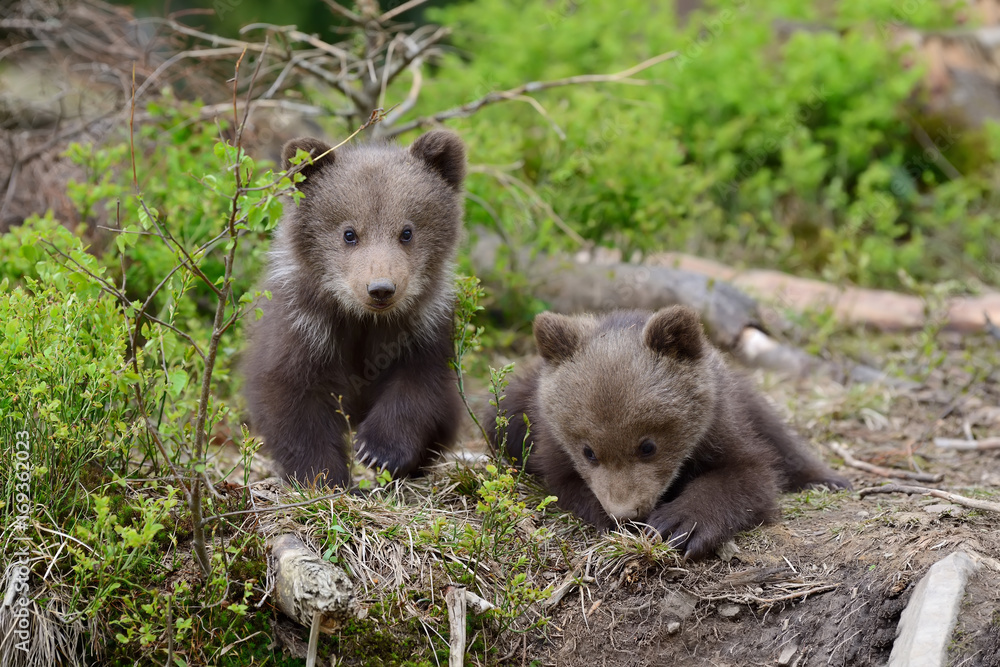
(380, 454)
(682, 531)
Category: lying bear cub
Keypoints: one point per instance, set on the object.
(635, 416)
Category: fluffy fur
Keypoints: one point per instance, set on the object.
(360, 318)
(636, 417)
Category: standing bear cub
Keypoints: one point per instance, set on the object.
(636, 417)
(359, 321)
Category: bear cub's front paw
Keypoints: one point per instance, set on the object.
(378, 451)
(692, 533)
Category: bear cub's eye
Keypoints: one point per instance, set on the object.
(647, 448)
(406, 235)
(350, 238)
(589, 454)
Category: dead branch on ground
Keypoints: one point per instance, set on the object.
(955, 443)
(879, 470)
(972, 503)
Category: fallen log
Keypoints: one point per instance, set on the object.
(732, 319)
(878, 309)
(570, 286)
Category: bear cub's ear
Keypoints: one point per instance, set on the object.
(314, 147)
(675, 331)
(558, 337)
(443, 152)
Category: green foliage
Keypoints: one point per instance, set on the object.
(25, 254)
(181, 175)
(104, 361)
(501, 538)
(67, 393)
(466, 334)
(64, 384)
(800, 152)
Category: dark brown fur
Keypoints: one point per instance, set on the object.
(360, 328)
(678, 440)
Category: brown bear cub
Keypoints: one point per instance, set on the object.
(360, 318)
(634, 416)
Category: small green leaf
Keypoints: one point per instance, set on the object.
(178, 382)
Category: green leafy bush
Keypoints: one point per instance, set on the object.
(64, 382)
(104, 359)
(794, 149)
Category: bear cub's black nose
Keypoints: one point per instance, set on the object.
(381, 289)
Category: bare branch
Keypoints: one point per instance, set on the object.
(405, 7)
(344, 12)
(293, 33)
(972, 503)
(411, 98)
(415, 50)
(879, 470)
(362, 102)
(953, 443)
(470, 108)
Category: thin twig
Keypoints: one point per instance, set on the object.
(972, 503)
(957, 443)
(507, 180)
(470, 108)
(406, 105)
(344, 12)
(274, 508)
(747, 598)
(879, 470)
(411, 54)
(405, 7)
(170, 632)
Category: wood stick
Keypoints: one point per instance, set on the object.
(477, 604)
(306, 585)
(454, 597)
(470, 108)
(879, 470)
(972, 503)
(571, 580)
(748, 597)
(314, 639)
(957, 443)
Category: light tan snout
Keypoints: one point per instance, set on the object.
(626, 494)
(379, 277)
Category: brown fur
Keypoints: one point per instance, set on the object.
(636, 417)
(360, 318)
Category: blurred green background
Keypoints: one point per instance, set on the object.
(793, 135)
